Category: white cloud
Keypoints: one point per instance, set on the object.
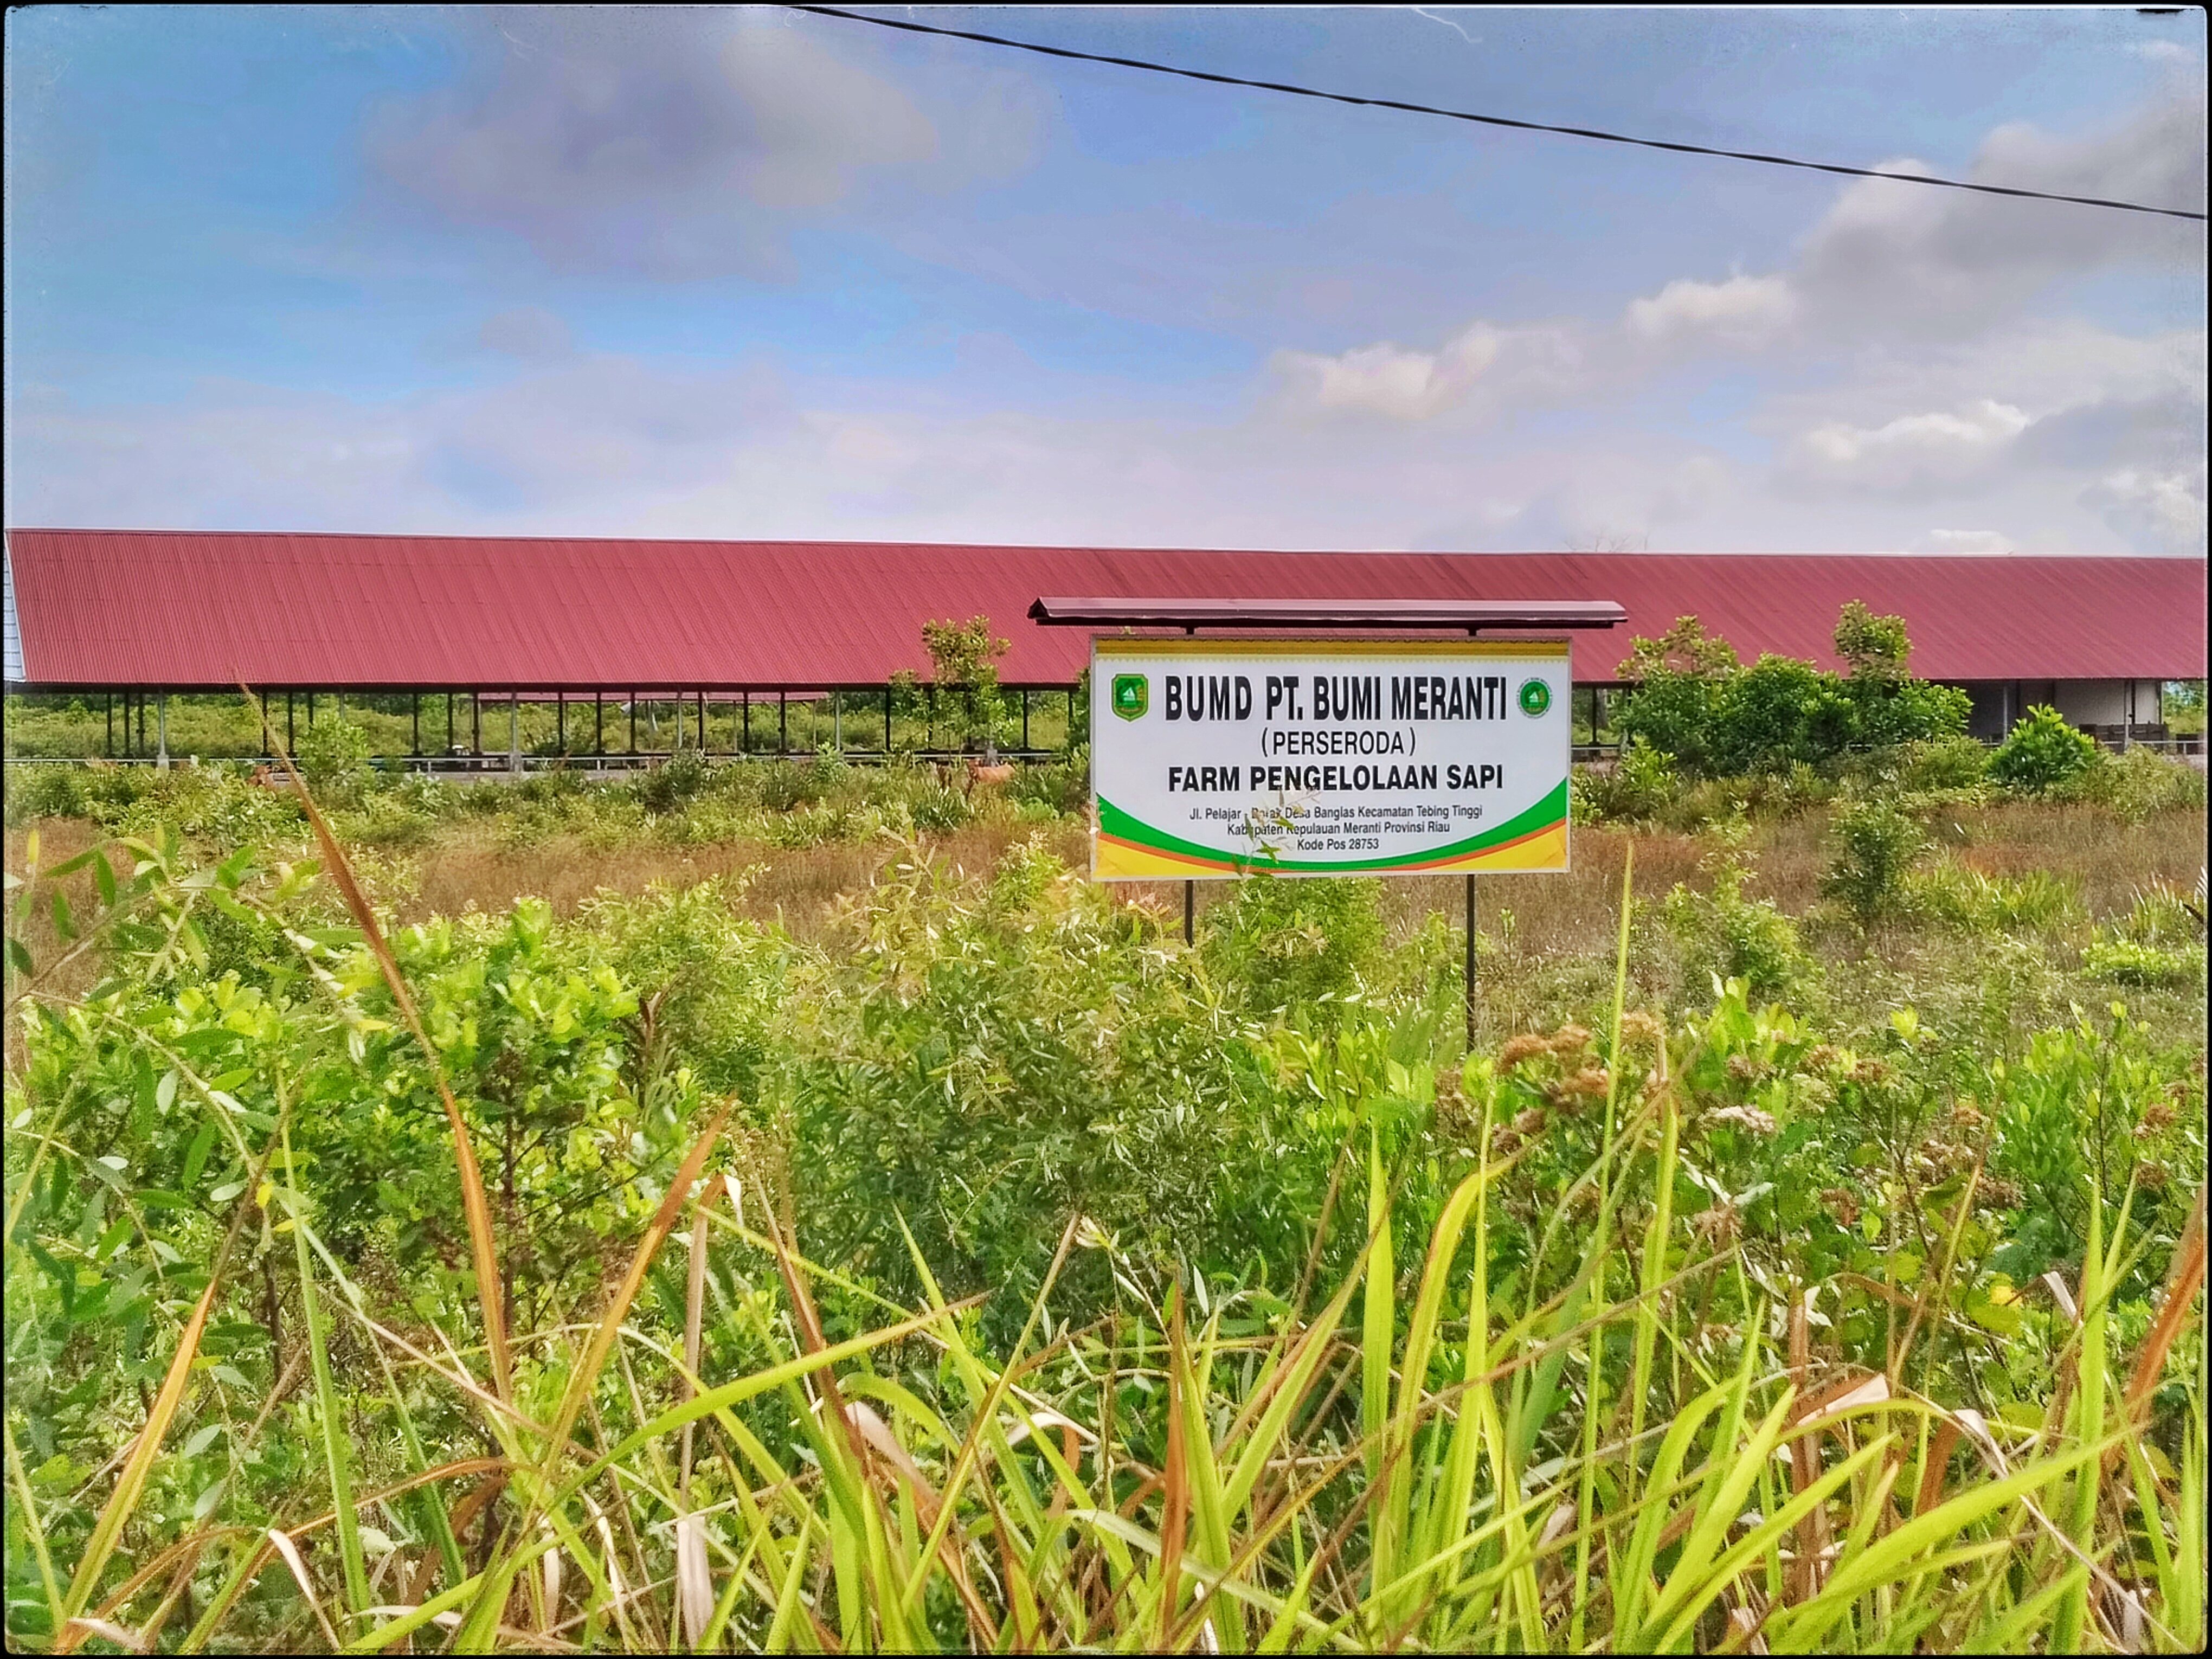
(1743, 312)
(2164, 51)
(1911, 453)
(1498, 368)
(1386, 379)
(2162, 510)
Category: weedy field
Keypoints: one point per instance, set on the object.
(757, 1207)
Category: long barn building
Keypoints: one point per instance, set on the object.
(158, 611)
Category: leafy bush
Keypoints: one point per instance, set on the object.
(663, 788)
(1966, 899)
(939, 809)
(333, 758)
(2042, 753)
(1693, 699)
(2137, 785)
(2129, 962)
(1945, 765)
(1059, 786)
(1639, 786)
(1724, 936)
(1876, 846)
(2159, 943)
(1283, 945)
(49, 791)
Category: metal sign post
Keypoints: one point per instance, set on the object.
(1470, 963)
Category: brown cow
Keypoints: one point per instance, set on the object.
(990, 776)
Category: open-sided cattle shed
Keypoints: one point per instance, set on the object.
(176, 611)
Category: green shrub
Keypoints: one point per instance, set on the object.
(1876, 846)
(1944, 765)
(2161, 914)
(52, 790)
(1966, 899)
(1639, 786)
(2042, 753)
(939, 809)
(1777, 713)
(2129, 962)
(1295, 946)
(1725, 936)
(1058, 786)
(2138, 784)
(786, 786)
(663, 788)
(1693, 699)
(333, 758)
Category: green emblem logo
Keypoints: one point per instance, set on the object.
(1535, 697)
(1131, 696)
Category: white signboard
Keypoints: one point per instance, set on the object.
(1213, 758)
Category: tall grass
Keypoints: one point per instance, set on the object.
(1653, 1459)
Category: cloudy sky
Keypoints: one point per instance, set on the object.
(753, 273)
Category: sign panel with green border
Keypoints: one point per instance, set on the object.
(1216, 758)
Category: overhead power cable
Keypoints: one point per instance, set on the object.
(910, 28)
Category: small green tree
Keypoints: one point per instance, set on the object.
(334, 759)
(2042, 753)
(1886, 705)
(1873, 647)
(1682, 682)
(1876, 845)
(965, 679)
(1685, 649)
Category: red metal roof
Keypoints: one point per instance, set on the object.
(179, 609)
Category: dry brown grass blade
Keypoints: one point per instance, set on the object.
(476, 1498)
(869, 1424)
(832, 1400)
(290, 1551)
(694, 1310)
(1813, 1535)
(2182, 1284)
(1845, 1394)
(586, 1375)
(1941, 1445)
(1175, 1479)
(77, 1629)
(484, 1255)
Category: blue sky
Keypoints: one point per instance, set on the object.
(750, 272)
